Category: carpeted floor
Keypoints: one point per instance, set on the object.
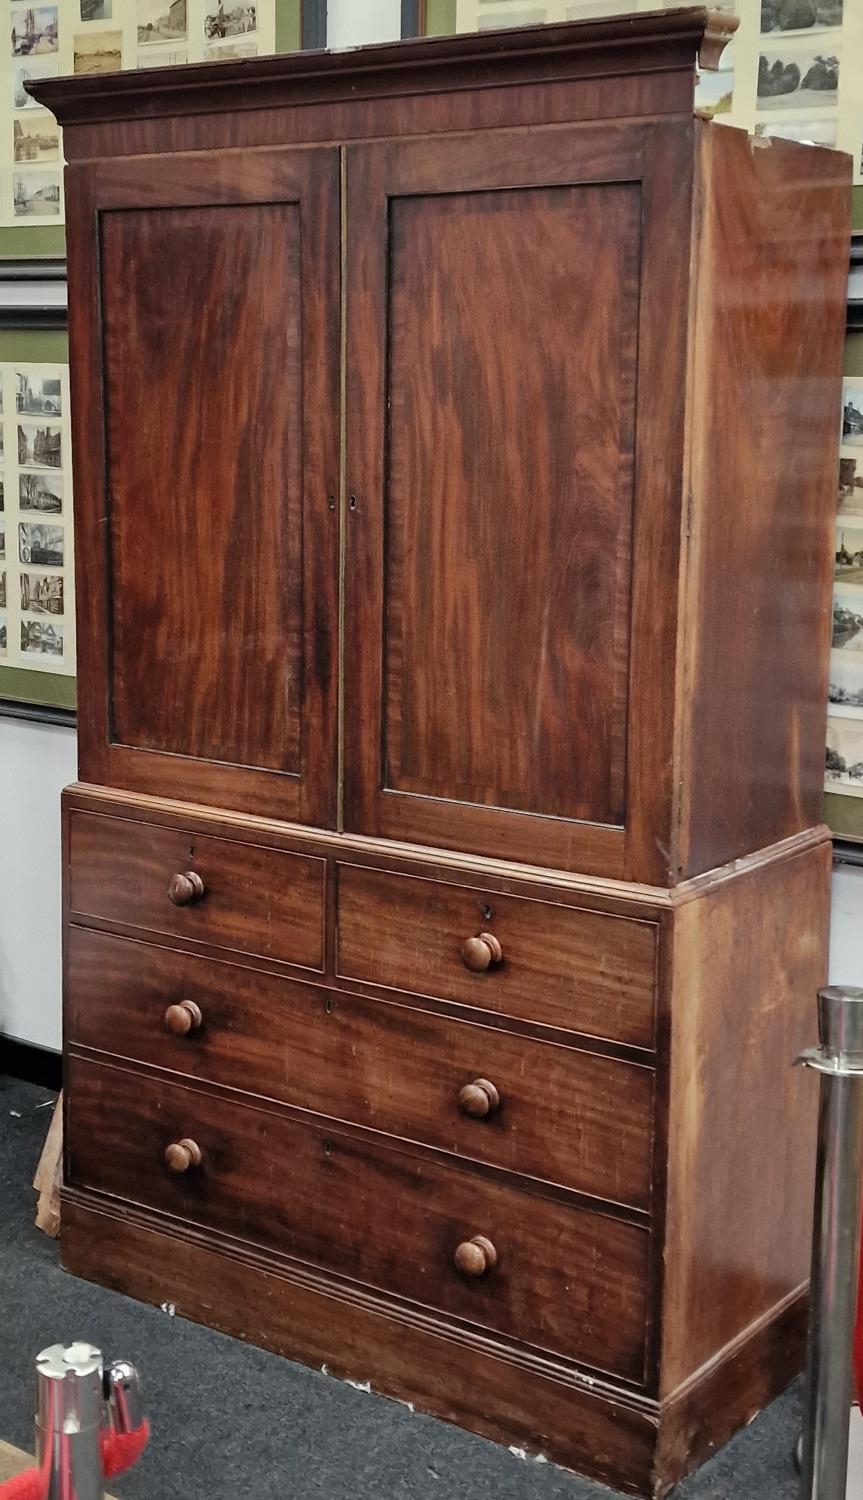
(231, 1422)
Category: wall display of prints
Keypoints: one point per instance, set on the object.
(845, 722)
(100, 36)
(37, 619)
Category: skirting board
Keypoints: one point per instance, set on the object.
(31, 1064)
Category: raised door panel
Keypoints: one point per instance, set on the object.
(216, 352)
(513, 452)
(509, 496)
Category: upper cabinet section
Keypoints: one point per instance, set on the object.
(420, 396)
(205, 310)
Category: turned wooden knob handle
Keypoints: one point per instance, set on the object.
(479, 953)
(185, 890)
(479, 1099)
(475, 1256)
(181, 1155)
(183, 1018)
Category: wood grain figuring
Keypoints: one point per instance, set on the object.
(604, 1432)
(502, 440)
(574, 969)
(205, 481)
(206, 658)
(742, 1120)
(256, 900)
(566, 1280)
(564, 1115)
(768, 337)
(469, 556)
(449, 111)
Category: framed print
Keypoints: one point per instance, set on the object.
(37, 593)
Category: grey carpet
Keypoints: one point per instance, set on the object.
(230, 1421)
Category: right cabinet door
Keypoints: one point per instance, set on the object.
(516, 334)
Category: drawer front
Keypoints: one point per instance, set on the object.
(255, 900)
(565, 1279)
(560, 965)
(573, 1118)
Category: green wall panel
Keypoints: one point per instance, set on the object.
(17, 241)
(42, 688)
(440, 17)
(36, 345)
(289, 25)
(854, 354)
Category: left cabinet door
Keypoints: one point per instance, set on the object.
(204, 330)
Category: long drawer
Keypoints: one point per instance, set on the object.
(571, 1117)
(532, 1268)
(561, 965)
(214, 891)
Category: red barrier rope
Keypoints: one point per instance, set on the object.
(120, 1450)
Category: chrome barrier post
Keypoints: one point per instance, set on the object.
(836, 1243)
(76, 1400)
(70, 1410)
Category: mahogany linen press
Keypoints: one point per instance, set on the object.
(446, 889)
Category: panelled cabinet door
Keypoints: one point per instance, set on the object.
(516, 309)
(205, 342)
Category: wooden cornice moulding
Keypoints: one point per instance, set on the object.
(658, 41)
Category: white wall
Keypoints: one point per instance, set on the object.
(353, 23)
(36, 762)
(846, 927)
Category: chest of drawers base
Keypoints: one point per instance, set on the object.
(542, 1071)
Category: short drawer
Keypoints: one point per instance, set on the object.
(558, 1277)
(251, 899)
(568, 1116)
(560, 965)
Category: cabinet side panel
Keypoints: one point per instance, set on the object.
(765, 395)
(748, 958)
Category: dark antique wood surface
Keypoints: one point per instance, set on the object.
(742, 1121)
(651, 46)
(446, 898)
(485, 656)
(567, 1115)
(604, 1431)
(768, 338)
(254, 900)
(566, 1279)
(206, 538)
(206, 633)
(468, 687)
(578, 970)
